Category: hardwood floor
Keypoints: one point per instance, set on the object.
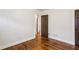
(46, 44)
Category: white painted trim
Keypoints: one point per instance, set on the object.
(60, 40)
(18, 42)
(15, 43)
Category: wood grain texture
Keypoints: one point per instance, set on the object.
(46, 44)
(76, 29)
(44, 26)
(76, 47)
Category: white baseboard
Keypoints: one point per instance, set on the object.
(20, 41)
(15, 43)
(60, 40)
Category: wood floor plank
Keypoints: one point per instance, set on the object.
(46, 44)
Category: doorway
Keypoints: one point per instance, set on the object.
(77, 28)
(44, 26)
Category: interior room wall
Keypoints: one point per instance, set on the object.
(61, 24)
(16, 26)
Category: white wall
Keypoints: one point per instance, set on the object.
(16, 26)
(61, 24)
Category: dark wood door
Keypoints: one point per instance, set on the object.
(44, 26)
(77, 27)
